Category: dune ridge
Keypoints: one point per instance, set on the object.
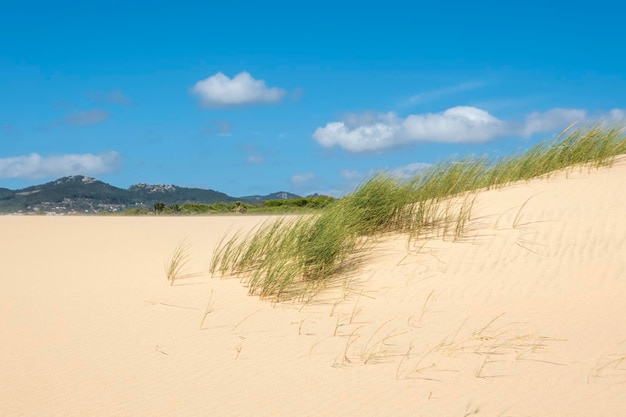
(520, 316)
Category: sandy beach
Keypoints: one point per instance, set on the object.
(523, 316)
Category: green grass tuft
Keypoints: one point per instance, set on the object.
(298, 256)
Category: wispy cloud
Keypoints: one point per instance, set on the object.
(113, 97)
(220, 91)
(222, 128)
(462, 124)
(303, 178)
(551, 120)
(432, 95)
(253, 155)
(254, 159)
(410, 170)
(35, 166)
(351, 175)
(83, 118)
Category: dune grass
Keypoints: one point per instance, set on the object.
(177, 262)
(295, 257)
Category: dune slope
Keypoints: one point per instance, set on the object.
(522, 316)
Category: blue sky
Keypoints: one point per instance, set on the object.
(256, 97)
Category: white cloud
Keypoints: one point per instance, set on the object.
(552, 120)
(617, 115)
(35, 166)
(86, 117)
(455, 125)
(300, 179)
(359, 139)
(462, 124)
(220, 91)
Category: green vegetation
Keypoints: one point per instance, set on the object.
(296, 257)
(135, 211)
(284, 206)
(158, 207)
(313, 202)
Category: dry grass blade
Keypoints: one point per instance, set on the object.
(207, 310)
(177, 262)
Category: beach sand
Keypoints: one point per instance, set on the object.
(525, 315)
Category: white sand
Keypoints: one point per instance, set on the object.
(524, 316)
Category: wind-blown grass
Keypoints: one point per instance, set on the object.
(295, 257)
(177, 262)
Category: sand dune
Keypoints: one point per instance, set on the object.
(522, 316)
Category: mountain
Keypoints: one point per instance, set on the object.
(172, 194)
(281, 195)
(82, 194)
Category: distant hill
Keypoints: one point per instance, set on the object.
(89, 195)
(274, 196)
(171, 194)
(6, 193)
